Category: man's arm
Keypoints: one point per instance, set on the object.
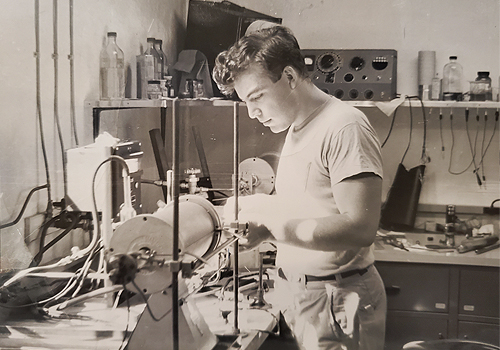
(358, 199)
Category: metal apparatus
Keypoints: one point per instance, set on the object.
(140, 257)
(148, 252)
(148, 238)
(256, 176)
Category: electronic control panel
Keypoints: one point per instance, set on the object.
(363, 74)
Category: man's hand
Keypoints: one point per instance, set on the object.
(262, 214)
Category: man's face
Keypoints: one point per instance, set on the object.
(269, 102)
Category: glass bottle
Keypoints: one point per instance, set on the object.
(452, 80)
(484, 77)
(162, 63)
(436, 88)
(151, 58)
(112, 70)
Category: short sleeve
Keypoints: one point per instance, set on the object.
(352, 150)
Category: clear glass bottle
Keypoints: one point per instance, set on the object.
(112, 70)
(452, 80)
(151, 60)
(484, 77)
(436, 88)
(163, 62)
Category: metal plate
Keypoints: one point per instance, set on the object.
(256, 176)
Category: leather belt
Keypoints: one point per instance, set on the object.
(335, 276)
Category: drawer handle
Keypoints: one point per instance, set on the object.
(392, 290)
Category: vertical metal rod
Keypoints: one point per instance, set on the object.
(175, 245)
(236, 172)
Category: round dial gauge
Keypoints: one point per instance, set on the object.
(329, 62)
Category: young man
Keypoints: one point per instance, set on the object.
(325, 214)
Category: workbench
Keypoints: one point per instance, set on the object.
(438, 294)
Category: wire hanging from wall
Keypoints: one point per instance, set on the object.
(55, 57)
(71, 58)
(472, 147)
(48, 212)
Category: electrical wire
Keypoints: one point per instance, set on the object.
(471, 146)
(71, 58)
(25, 204)
(390, 128)
(75, 219)
(424, 157)
(481, 164)
(483, 154)
(95, 214)
(92, 245)
(55, 57)
(441, 131)
(411, 132)
(48, 211)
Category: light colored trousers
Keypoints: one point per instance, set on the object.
(348, 314)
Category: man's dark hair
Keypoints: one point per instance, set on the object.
(272, 48)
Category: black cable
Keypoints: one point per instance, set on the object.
(453, 143)
(55, 57)
(71, 58)
(441, 129)
(481, 164)
(48, 211)
(390, 128)
(411, 132)
(42, 234)
(491, 138)
(75, 219)
(20, 215)
(424, 157)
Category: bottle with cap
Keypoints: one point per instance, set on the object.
(147, 68)
(162, 59)
(112, 70)
(480, 88)
(452, 80)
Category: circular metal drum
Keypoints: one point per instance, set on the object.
(199, 234)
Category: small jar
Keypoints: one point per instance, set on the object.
(484, 77)
(154, 89)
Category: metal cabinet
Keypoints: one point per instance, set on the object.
(404, 327)
(478, 331)
(433, 301)
(479, 288)
(478, 305)
(416, 287)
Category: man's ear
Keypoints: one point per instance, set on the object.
(291, 76)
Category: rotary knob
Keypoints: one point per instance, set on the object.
(329, 62)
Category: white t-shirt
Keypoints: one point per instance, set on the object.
(334, 143)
